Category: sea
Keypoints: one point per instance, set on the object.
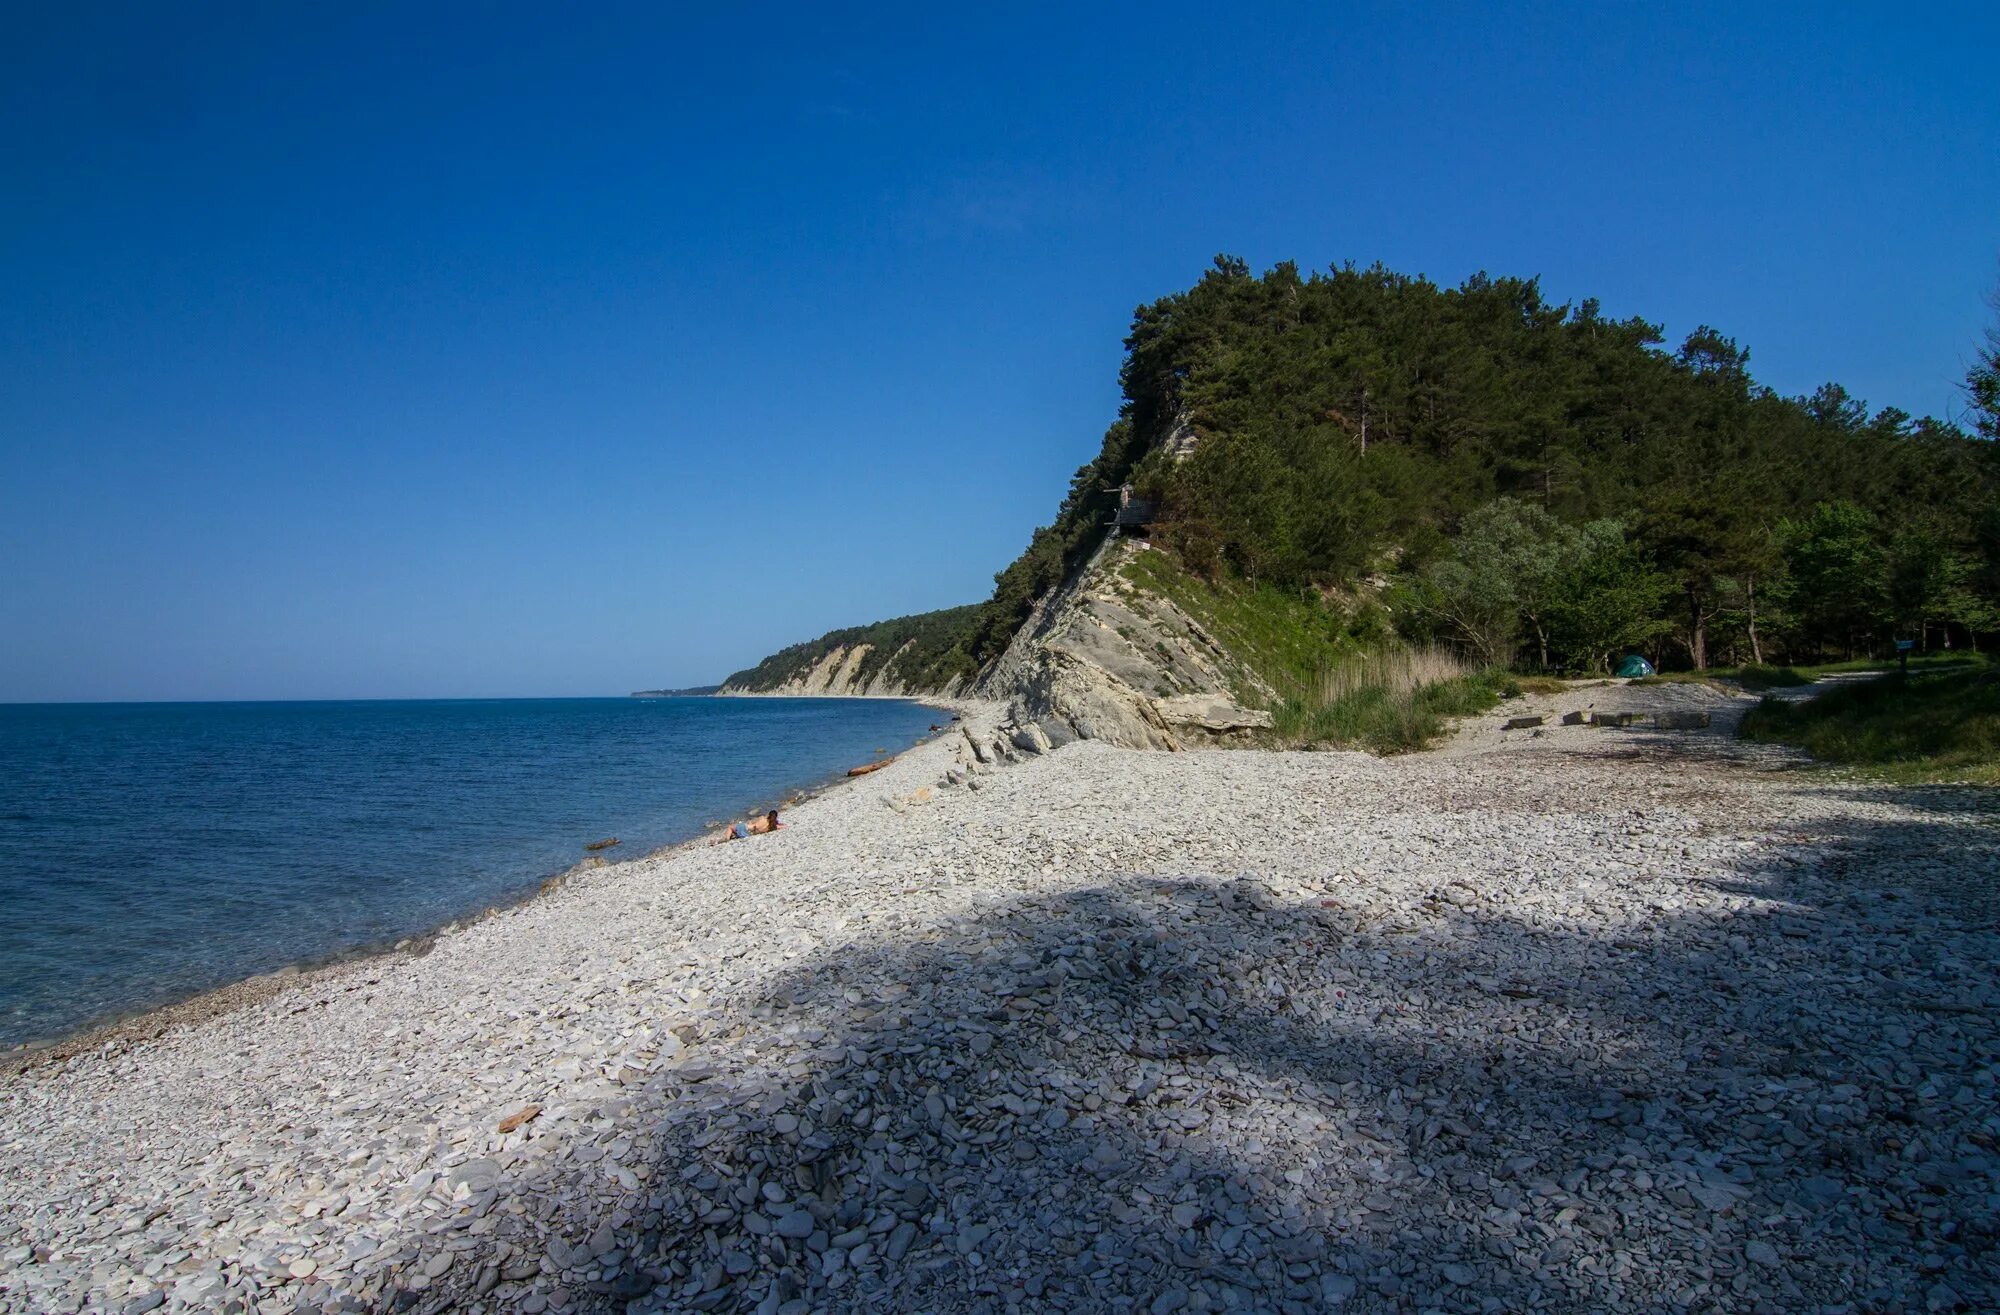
(152, 851)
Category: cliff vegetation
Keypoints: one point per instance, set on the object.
(1358, 460)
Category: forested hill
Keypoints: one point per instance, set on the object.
(1534, 483)
(894, 657)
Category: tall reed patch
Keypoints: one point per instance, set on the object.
(1396, 672)
(1388, 701)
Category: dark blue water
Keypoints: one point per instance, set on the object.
(150, 851)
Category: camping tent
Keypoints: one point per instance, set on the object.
(1634, 665)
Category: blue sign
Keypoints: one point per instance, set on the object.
(1905, 645)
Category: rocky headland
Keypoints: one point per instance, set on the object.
(1099, 658)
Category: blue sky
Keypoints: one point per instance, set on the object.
(422, 351)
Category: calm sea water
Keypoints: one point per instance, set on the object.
(150, 851)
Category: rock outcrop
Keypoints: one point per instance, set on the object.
(1103, 659)
(1100, 658)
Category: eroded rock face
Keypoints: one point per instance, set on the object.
(1102, 660)
(1211, 712)
(1181, 439)
(839, 673)
(1098, 659)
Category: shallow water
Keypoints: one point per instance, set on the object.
(151, 851)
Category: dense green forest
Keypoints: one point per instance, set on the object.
(1547, 486)
(1534, 483)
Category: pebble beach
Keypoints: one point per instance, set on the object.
(1562, 1019)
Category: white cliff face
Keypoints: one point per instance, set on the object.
(1181, 440)
(1101, 659)
(1098, 659)
(839, 674)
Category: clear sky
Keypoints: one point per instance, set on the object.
(572, 349)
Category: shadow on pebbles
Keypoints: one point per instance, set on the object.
(1604, 1026)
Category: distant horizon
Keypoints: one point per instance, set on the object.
(356, 356)
(417, 698)
(423, 698)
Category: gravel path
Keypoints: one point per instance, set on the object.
(1589, 1020)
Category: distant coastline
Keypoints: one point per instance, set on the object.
(692, 692)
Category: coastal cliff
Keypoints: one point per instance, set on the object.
(1108, 655)
(848, 670)
(1105, 657)
(903, 657)
(1453, 483)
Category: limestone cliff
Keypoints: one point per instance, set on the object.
(1099, 656)
(846, 670)
(1102, 657)
(1076, 642)
(905, 656)
(1105, 658)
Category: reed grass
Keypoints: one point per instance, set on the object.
(1395, 672)
(1390, 701)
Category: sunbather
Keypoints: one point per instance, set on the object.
(756, 826)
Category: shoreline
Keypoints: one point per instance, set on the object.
(1254, 1029)
(928, 700)
(150, 1022)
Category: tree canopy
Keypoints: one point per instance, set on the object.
(1535, 481)
(1359, 422)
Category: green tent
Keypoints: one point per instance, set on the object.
(1634, 665)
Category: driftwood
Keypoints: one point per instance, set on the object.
(866, 768)
(596, 845)
(1522, 723)
(526, 1114)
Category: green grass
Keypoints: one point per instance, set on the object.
(1918, 662)
(1937, 724)
(1336, 687)
(1390, 700)
(1283, 640)
(1750, 675)
(1385, 720)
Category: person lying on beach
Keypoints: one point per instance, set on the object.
(756, 826)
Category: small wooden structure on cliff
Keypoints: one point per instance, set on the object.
(1133, 514)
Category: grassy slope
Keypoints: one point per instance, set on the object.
(1278, 639)
(1287, 643)
(1941, 723)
